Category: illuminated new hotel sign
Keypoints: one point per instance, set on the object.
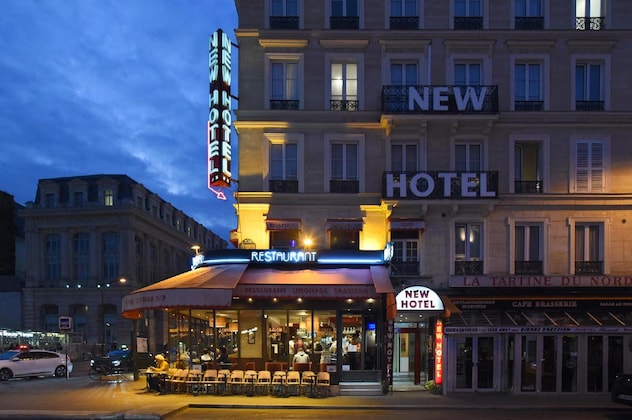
(418, 298)
(438, 184)
(219, 118)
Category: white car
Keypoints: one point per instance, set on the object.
(26, 363)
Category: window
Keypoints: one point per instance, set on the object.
(588, 248)
(284, 85)
(468, 74)
(81, 257)
(110, 256)
(528, 249)
(78, 198)
(284, 239)
(53, 259)
(404, 74)
(344, 239)
(404, 14)
(468, 14)
(344, 87)
(589, 87)
(529, 14)
(528, 87)
(344, 168)
(50, 317)
(528, 167)
(108, 198)
(589, 166)
(404, 157)
(49, 200)
(284, 14)
(590, 15)
(284, 167)
(468, 249)
(139, 258)
(405, 259)
(468, 157)
(344, 14)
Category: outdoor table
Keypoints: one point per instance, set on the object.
(149, 373)
(250, 378)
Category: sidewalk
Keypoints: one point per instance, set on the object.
(81, 398)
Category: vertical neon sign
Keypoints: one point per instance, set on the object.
(438, 352)
(219, 117)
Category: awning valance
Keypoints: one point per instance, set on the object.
(202, 287)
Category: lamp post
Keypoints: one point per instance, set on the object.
(103, 326)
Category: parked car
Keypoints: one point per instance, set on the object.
(119, 361)
(32, 362)
(622, 389)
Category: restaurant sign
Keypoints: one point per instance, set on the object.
(570, 281)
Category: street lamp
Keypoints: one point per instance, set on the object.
(103, 323)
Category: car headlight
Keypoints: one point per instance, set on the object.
(116, 362)
(91, 362)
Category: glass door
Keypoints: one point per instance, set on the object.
(475, 363)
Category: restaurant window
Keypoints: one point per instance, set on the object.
(284, 239)
(278, 336)
(344, 239)
(325, 339)
(300, 335)
(352, 342)
(468, 249)
(227, 328)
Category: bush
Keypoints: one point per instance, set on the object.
(432, 387)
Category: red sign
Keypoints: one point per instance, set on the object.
(439, 352)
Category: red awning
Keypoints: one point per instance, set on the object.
(199, 288)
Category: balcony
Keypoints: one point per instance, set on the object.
(285, 104)
(588, 267)
(528, 267)
(284, 22)
(589, 105)
(344, 22)
(404, 268)
(468, 22)
(529, 105)
(283, 186)
(590, 23)
(344, 187)
(427, 99)
(468, 268)
(404, 23)
(343, 105)
(528, 187)
(529, 23)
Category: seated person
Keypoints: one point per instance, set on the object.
(223, 357)
(162, 367)
(301, 356)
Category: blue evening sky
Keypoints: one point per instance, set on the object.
(112, 86)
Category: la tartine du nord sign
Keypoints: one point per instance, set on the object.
(440, 184)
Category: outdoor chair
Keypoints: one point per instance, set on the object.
(308, 383)
(237, 381)
(264, 378)
(193, 381)
(322, 384)
(210, 382)
(293, 383)
(250, 381)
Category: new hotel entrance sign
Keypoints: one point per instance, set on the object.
(219, 117)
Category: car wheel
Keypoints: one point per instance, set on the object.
(5, 375)
(60, 371)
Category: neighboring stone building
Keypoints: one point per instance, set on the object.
(86, 233)
(11, 263)
(489, 140)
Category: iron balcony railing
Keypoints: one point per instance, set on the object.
(528, 267)
(283, 22)
(404, 268)
(344, 22)
(343, 105)
(283, 186)
(529, 105)
(583, 23)
(529, 22)
(589, 267)
(396, 99)
(285, 104)
(528, 187)
(405, 23)
(468, 22)
(345, 187)
(589, 105)
(468, 268)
